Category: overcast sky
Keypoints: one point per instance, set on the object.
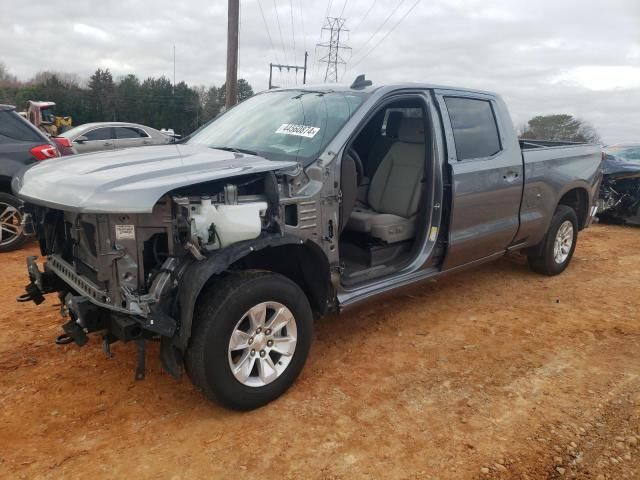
(543, 56)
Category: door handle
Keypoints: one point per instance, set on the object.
(107, 144)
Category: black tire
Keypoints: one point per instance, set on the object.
(220, 307)
(541, 258)
(9, 201)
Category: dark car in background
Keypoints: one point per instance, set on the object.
(21, 144)
(104, 136)
(619, 200)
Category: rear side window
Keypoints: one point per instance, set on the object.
(15, 129)
(474, 127)
(130, 132)
(99, 134)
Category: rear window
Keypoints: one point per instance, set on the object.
(15, 129)
(474, 127)
(130, 132)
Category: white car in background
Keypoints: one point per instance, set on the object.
(93, 137)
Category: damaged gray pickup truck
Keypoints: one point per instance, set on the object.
(293, 203)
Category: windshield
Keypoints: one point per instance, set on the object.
(282, 125)
(628, 154)
(47, 115)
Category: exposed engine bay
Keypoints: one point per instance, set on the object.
(619, 199)
(130, 264)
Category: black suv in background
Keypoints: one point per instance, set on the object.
(21, 144)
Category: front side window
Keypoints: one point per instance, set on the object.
(282, 125)
(99, 134)
(474, 127)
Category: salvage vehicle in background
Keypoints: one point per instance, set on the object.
(93, 137)
(296, 201)
(21, 144)
(619, 200)
(42, 116)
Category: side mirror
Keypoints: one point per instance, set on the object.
(81, 139)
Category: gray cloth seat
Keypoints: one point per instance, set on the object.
(395, 189)
(382, 144)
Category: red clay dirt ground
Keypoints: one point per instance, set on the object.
(493, 373)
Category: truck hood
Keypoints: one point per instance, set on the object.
(131, 180)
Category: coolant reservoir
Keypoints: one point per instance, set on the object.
(233, 223)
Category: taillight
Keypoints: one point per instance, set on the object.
(64, 141)
(44, 152)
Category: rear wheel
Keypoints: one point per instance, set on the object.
(11, 236)
(554, 254)
(251, 337)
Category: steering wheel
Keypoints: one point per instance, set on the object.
(356, 158)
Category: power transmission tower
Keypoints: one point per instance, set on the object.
(335, 27)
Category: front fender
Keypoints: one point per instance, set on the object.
(198, 274)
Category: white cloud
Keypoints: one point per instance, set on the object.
(602, 77)
(116, 67)
(91, 32)
(544, 57)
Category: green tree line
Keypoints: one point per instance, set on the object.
(559, 127)
(155, 102)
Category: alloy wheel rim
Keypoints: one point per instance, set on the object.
(10, 224)
(262, 344)
(563, 242)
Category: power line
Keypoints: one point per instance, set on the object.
(304, 35)
(343, 7)
(365, 16)
(383, 24)
(284, 52)
(326, 13)
(386, 35)
(266, 27)
(293, 34)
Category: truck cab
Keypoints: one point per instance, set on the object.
(295, 203)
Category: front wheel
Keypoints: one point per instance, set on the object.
(11, 235)
(251, 337)
(554, 254)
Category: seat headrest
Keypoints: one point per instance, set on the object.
(411, 130)
(393, 124)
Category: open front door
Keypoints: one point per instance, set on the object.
(487, 177)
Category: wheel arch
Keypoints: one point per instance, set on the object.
(5, 184)
(578, 199)
(301, 261)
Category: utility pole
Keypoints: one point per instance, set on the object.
(233, 22)
(335, 27)
(289, 68)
